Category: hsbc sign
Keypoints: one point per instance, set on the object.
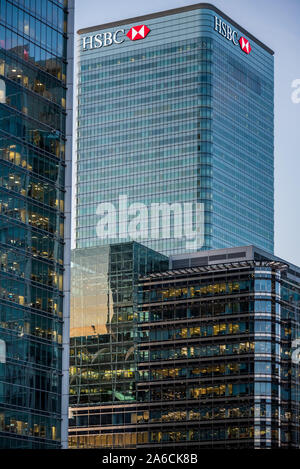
(138, 32)
(141, 31)
(231, 35)
(117, 37)
(245, 45)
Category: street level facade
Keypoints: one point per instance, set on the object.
(175, 133)
(36, 61)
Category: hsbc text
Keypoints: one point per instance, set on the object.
(103, 39)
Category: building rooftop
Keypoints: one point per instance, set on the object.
(224, 259)
(175, 11)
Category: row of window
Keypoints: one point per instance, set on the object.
(96, 394)
(216, 412)
(251, 200)
(14, 441)
(188, 126)
(24, 321)
(208, 391)
(159, 189)
(34, 297)
(31, 78)
(186, 138)
(39, 31)
(150, 185)
(50, 11)
(253, 206)
(25, 184)
(196, 371)
(247, 114)
(184, 155)
(211, 435)
(244, 139)
(120, 174)
(238, 103)
(34, 215)
(21, 423)
(90, 418)
(34, 242)
(209, 289)
(159, 87)
(206, 330)
(195, 351)
(33, 53)
(110, 440)
(131, 102)
(200, 44)
(166, 313)
(32, 105)
(37, 380)
(26, 158)
(138, 111)
(25, 397)
(91, 82)
(14, 262)
(32, 132)
(184, 117)
(31, 354)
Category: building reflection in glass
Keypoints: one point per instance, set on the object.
(103, 327)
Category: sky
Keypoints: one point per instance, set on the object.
(275, 23)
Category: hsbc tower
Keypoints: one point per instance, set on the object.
(174, 152)
(175, 109)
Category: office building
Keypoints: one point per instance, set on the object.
(36, 61)
(216, 352)
(103, 332)
(175, 112)
(216, 359)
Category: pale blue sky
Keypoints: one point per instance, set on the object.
(276, 23)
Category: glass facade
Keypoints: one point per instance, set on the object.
(213, 363)
(182, 116)
(103, 329)
(33, 204)
(202, 363)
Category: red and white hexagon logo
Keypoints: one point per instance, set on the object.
(138, 32)
(245, 45)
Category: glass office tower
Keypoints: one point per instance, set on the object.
(210, 359)
(217, 341)
(35, 194)
(103, 335)
(176, 107)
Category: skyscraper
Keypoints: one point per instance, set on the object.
(36, 61)
(175, 128)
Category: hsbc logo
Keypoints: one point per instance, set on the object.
(231, 35)
(117, 37)
(138, 32)
(245, 45)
